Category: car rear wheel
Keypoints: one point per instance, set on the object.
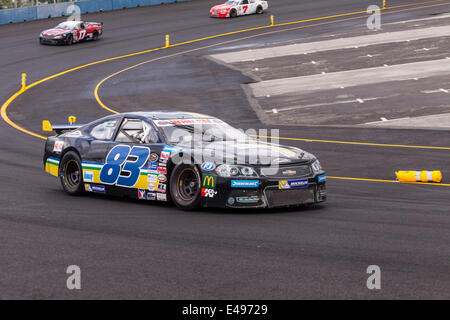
(259, 10)
(185, 186)
(69, 39)
(233, 13)
(95, 36)
(71, 174)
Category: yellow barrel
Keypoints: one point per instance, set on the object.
(419, 176)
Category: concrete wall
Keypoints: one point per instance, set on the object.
(60, 9)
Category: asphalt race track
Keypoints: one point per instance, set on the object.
(132, 249)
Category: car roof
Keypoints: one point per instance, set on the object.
(70, 23)
(167, 115)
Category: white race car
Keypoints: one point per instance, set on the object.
(234, 8)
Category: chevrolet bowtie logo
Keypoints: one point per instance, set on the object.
(289, 172)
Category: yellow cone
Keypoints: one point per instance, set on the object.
(419, 176)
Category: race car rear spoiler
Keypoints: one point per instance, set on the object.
(61, 128)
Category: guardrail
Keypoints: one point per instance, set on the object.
(60, 9)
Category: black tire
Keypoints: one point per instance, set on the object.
(95, 36)
(71, 174)
(259, 10)
(69, 40)
(233, 13)
(41, 41)
(185, 186)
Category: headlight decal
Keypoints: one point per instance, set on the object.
(227, 171)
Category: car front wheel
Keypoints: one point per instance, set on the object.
(185, 186)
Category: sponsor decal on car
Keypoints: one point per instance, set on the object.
(59, 144)
(153, 166)
(208, 166)
(252, 199)
(88, 176)
(161, 187)
(292, 184)
(322, 178)
(163, 163)
(289, 172)
(162, 178)
(208, 193)
(162, 170)
(165, 155)
(152, 177)
(209, 181)
(142, 194)
(73, 134)
(94, 188)
(154, 157)
(152, 186)
(171, 149)
(244, 183)
(161, 196)
(151, 196)
(165, 123)
(111, 123)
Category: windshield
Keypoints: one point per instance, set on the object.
(66, 26)
(187, 130)
(231, 2)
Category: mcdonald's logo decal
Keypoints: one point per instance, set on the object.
(209, 181)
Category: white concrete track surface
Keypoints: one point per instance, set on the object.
(335, 44)
(351, 78)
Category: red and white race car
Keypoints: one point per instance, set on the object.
(234, 8)
(69, 32)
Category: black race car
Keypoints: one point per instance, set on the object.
(192, 159)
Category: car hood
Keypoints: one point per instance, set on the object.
(221, 7)
(54, 32)
(250, 152)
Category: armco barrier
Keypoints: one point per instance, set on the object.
(17, 15)
(55, 10)
(60, 9)
(94, 6)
